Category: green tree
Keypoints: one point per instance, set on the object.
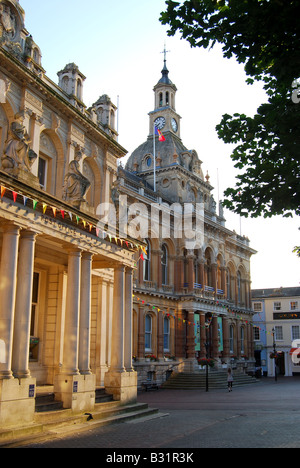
(264, 35)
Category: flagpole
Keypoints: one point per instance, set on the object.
(154, 158)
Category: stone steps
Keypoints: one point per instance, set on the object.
(45, 402)
(57, 423)
(216, 379)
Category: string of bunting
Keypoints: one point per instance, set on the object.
(73, 217)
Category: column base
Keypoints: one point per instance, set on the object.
(100, 374)
(77, 392)
(17, 401)
(122, 385)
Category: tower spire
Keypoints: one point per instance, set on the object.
(165, 72)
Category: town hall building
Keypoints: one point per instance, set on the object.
(91, 299)
(192, 285)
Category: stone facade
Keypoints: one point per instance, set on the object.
(66, 277)
(192, 286)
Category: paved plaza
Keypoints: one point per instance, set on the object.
(263, 415)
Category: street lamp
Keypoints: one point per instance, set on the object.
(274, 352)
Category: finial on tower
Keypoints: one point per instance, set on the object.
(165, 52)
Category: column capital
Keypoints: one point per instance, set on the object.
(87, 255)
(120, 268)
(28, 234)
(10, 227)
(73, 251)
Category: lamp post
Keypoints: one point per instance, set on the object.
(274, 351)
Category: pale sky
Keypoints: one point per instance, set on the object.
(117, 46)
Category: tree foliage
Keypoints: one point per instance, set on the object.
(264, 35)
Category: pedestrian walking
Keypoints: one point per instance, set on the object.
(230, 380)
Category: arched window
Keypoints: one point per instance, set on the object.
(47, 164)
(239, 287)
(148, 333)
(65, 83)
(164, 264)
(166, 334)
(146, 263)
(160, 99)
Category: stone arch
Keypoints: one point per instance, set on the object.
(51, 149)
(92, 171)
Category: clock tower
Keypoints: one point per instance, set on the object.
(164, 115)
(168, 166)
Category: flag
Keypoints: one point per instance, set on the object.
(160, 135)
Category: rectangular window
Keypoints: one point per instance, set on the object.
(42, 172)
(257, 306)
(256, 333)
(148, 333)
(294, 305)
(166, 334)
(277, 306)
(295, 332)
(34, 341)
(278, 333)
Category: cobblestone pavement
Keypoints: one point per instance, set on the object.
(264, 415)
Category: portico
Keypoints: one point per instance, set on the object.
(70, 309)
(65, 276)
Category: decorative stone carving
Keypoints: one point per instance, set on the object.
(17, 155)
(11, 23)
(8, 23)
(75, 185)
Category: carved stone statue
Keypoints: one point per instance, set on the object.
(17, 155)
(7, 21)
(75, 185)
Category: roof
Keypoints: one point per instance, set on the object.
(275, 292)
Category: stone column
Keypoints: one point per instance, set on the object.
(117, 360)
(102, 334)
(121, 384)
(190, 336)
(191, 273)
(70, 358)
(85, 314)
(76, 391)
(128, 319)
(214, 276)
(215, 340)
(17, 396)
(23, 308)
(202, 336)
(226, 339)
(8, 279)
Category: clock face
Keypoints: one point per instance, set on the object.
(160, 122)
(174, 125)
